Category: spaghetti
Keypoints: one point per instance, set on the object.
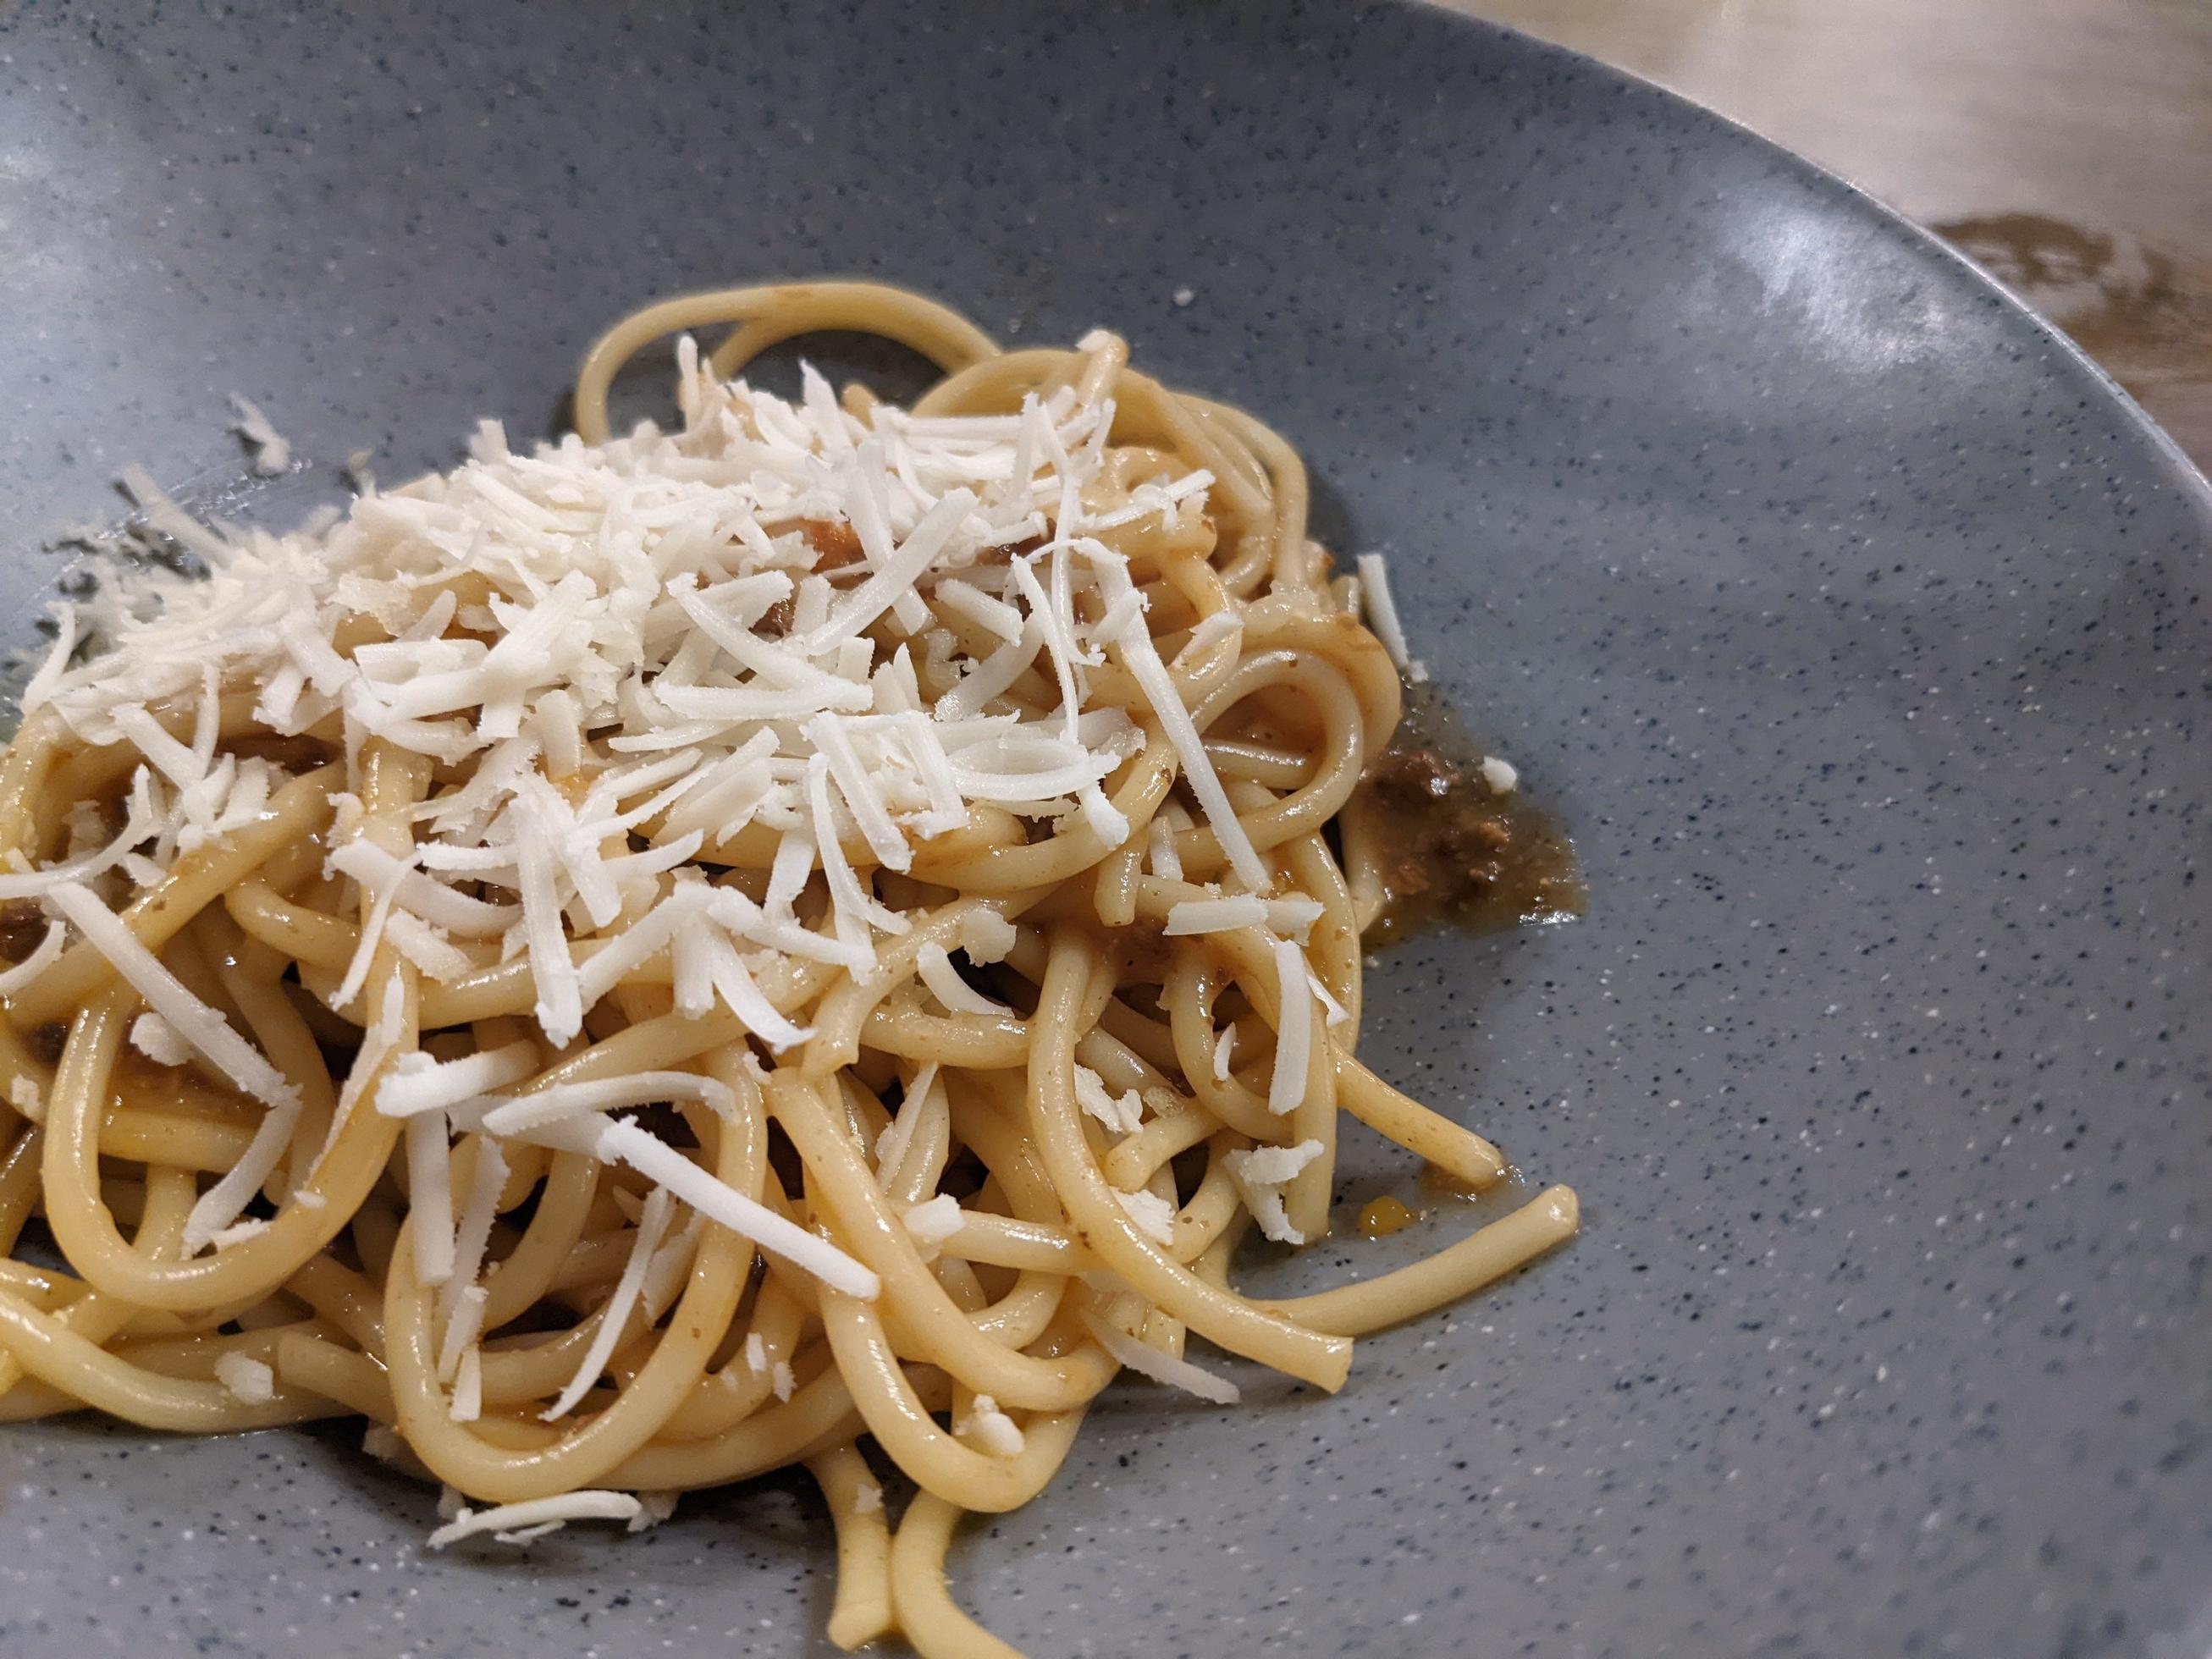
(682, 954)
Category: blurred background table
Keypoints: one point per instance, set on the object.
(2066, 145)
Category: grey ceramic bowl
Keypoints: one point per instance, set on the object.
(1857, 626)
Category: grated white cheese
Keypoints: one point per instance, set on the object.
(559, 1007)
(873, 597)
(156, 1038)
(210, 1035)
(972, 604)
(665, 1274)
(1216, 915)
(1286, 1086)
(1502, 777)
(467, 1402)
(377, 1043)
(26, 1097)
(1107, 821)
(1293, 916)
(430, 1196)
(463, 1327)
(921, 1097)
(930, 1223)
(660, 1163)
(180, 763)
(46, 952)
(271, 453)
(430, 900)
(1225, 1047)
(1137, 1355)
(1167, 862)
(427, 948)
(248, 1380)
(559, 728)
(417, 1083)
(143, 823)
(615, 1312)
(1154, 1216)
(628, 581)
(162, 513)
(1213, 631)
(579, 1100)
(56, 663)
(512, 1520)
(1334, 1012)
(867, 1498)
(1123, 1114)
(1260, 1174)
(526, 1535)
(1160, 688)
(471, 1235)
(1273, 1165)
(991, 1429)
(986, 936)
(1382, 615)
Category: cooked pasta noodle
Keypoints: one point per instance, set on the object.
(689, 953)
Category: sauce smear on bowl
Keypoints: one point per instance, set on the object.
(1451, 848)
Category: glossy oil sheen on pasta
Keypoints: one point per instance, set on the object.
(807, 939)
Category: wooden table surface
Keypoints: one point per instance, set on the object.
(2064, 144)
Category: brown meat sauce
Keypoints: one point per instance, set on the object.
(1453, 852)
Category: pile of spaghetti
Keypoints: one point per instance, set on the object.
(807, 939)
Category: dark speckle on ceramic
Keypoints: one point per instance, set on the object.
(1857, 628)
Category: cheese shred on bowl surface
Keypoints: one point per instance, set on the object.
(809, 937)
